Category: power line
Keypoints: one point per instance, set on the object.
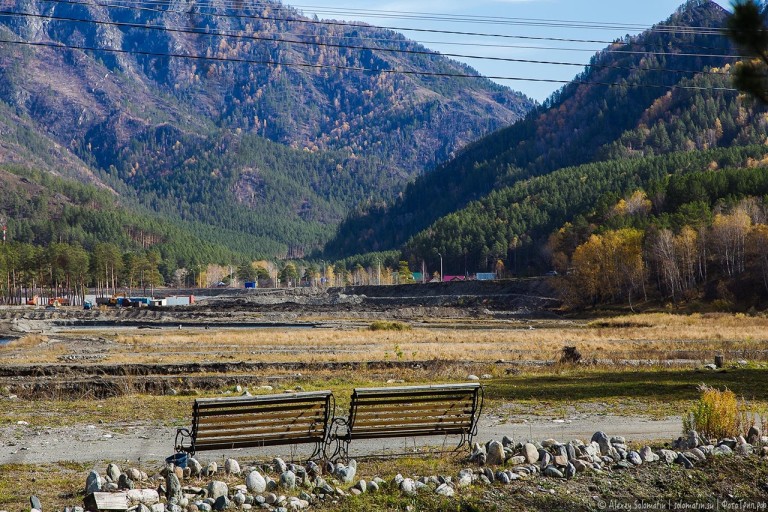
(138, 4)
(431, 16)
(343, 46)
(358, 68)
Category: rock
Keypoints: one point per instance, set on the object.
(682, 459)
(502, 477)
(313, 470)
(279, 465)
(592, 449)
(408, 486)
(288, 480)
(495, 454)
(545, 458)
(221, 503)
(754, 436)
(488, 473)
(346, 473)
(667, 456)
(479, 454)
(553, 472)
(372, 487)
(710, 366)
(506, 441)
(465, 478)
(695, 453)
(445, 490)
(124, 483)
(270, 498)
(561, 460)
(634, 458)
(217, 488)
(255, 482)
(549, 443)
(647, 455)
(144, 496)
(517, 460)
(173, 487)
(722, 450)
(602, 441)
(570, 471)
(579, 465)
(570, 451)
(93, 483)
(232, 467)
(618, 440)
(744, 449)
(195, 467)
(34, 502)
(158, 507)
(361, 486)
(622, 464)
(693, 439)
(472, 377)
(113, 472)
(238, 499)
(211, 469)
(531, 453)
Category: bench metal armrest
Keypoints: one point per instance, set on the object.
(183, 434)
(338, 432)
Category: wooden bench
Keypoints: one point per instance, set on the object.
(409, 411)
(255, 421)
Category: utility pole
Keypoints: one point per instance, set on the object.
(441, 267)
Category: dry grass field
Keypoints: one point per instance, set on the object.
(648, 338)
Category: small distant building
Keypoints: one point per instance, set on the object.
(418, 277)
(448, 279)
(485, 276)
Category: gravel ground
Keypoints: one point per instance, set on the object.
(23, 444)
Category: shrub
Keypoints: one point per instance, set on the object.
(720, 414)
(380, 325)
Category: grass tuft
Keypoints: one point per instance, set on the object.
(381, 325)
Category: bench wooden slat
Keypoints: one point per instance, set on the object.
(410, 400)
(376, 434)
(224, 423)
(462, 407)
(267, 427)
(429, 389)
(307, 430)
(255, 416)
(251, 408)
(278, 398)
(395, 422)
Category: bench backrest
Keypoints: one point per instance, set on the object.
(263, 420)
(408, 411)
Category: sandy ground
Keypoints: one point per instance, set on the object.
(150, 444)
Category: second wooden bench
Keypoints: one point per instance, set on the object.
(409, 411)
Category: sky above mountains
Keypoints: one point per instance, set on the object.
(519, 21)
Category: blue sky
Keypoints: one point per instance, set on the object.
(631, 15)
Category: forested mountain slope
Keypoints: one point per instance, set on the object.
(669, 92)
(191, 136)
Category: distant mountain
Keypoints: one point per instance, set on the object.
(280, 151)
(669, 92)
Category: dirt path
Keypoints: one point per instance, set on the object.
(150, 444)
